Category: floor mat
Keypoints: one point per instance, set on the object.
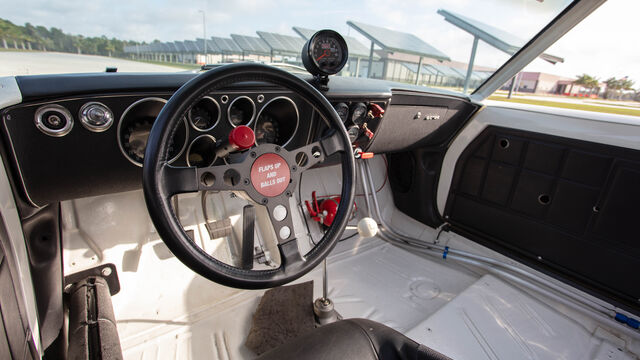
(284, 313)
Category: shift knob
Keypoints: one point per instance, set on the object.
(367, 227)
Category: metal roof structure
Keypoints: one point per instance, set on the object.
(356, 49)
(483, 75)
(191, 46)
(396, 41)
(414, 68)
(447, 71)
(226, 45)
(493, 36)
(211, 47)
(251, 44)
(171, 47)
(283, 44)
(180, 47)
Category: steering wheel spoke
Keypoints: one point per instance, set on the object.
(281, 219)
(223, 177)
(318, 151)
(179, 180)
(290, 257)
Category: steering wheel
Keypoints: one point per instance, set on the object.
(161, 180)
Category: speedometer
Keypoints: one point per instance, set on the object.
(325, 53)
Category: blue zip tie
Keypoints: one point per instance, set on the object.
(446, 251)
(631, 322)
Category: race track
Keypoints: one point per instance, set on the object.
(33, 63)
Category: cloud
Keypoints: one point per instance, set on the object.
(602, 45)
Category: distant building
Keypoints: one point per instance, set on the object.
(542, 83)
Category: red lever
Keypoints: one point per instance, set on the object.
(242, 137)
(315, 210)
(368, 133)
(366, 155)
(376, 110)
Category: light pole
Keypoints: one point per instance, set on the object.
(204, 35)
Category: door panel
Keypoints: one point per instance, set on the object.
(565, 205)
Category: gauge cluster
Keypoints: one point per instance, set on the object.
(361, 118)
(274, 117)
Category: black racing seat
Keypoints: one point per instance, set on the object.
(353, 339)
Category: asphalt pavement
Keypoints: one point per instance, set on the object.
(33, 63)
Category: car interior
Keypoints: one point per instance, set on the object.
(253, 210)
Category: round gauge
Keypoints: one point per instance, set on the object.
(353, 132)
(136, 133)
(134, 128)
(343, 111)
(325, 53)
(204, 115)
(358, 113)
(266, 130)
(277, 122)
(241, 111)
(202, 151)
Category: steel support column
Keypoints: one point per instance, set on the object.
(470, 67)
(370, 69)
(419, 71)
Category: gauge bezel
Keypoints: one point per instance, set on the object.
(121, 120)
(295, 130)
(213, 139)
(214, 124)
(310, 62)
(343, 104)
(94, 128)
(352, 110)
(253, 115)
(54, 108)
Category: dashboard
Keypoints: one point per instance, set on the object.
(83, 135)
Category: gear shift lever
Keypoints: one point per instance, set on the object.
(323, 308)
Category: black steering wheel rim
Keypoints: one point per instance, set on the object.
(158, 198)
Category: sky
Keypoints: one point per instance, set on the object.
(603, 45)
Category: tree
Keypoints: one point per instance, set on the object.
(587, 81)
(55, 39)
(615, 86)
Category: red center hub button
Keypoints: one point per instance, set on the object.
(242, 137)
(270, 174)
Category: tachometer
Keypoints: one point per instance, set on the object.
(325, 53)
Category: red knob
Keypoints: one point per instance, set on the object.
(242, 137)
(376, 110)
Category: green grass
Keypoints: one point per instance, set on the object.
(613, 103)
(557, 104)
(175, 65)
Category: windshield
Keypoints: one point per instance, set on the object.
(446, 44)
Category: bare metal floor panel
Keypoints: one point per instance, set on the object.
(493, 320)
